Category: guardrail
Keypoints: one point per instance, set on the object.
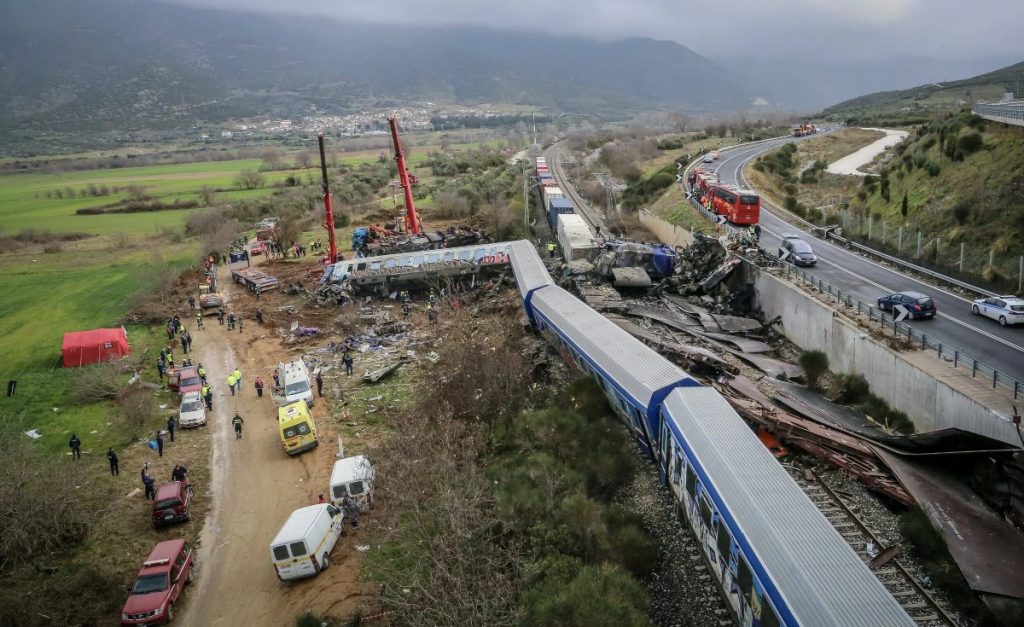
(1009, 112)
(944, 352)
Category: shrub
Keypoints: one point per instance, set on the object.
(596, 596)
(970, 142)
(815, 364)
(933, 168)
(961, 211)
(789, 202)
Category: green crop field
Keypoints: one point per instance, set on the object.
(46, 295)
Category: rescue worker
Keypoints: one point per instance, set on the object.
(231, 383)
(170, 427)
(199, 320)
(238, 378)
(237, 422)
(346, 361)
(259, 316)
(160, 443)
(551, 249)
(351, 509)
(76, 446)
(319, 383)
(201, 371)
(220, 315)
(757, 232)
(148, 481)
(180, 473)
(208, 397)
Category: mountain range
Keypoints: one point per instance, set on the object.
(67, 65)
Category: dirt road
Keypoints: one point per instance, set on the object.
(255, 487)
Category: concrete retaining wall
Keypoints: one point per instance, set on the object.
(929, 402)
(667, 232)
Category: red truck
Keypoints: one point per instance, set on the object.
(182, 380)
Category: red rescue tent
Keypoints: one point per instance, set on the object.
(88, 347)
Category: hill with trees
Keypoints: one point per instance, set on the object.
(915, 104)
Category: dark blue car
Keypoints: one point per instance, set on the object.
(917, 304)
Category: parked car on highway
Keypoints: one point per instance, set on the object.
(800, 252)
(709, 159)
(158, 585)
(192, 412)
(1005, 309)
(173, 503)
(918, 305)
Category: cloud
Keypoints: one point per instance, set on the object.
(793, 29)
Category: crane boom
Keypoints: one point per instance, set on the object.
(332, 250)
(412, 219)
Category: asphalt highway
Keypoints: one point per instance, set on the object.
(1001, 348)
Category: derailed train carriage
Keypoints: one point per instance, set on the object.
(777, 560)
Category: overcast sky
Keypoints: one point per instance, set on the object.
(822, 30)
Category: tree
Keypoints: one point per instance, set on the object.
(904, 206)
(304, 159)
(679, 121)
(815, 364)
(249, 179)
(271, 159)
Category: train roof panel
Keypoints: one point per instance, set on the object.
(821, 580)
(527, 267)
(629, 362)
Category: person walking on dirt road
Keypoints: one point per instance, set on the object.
(199, 320)
(231, 383)
(115, 471)
(208, 397)
(277, 378)
(237, 374)
(76, 446)
(237, 422)
(319, 383)
(201, 371)
(258, 384)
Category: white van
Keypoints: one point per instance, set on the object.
(295, 384)
(353, 476)
(303, 546)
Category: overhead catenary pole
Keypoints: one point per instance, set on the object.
(332, 242)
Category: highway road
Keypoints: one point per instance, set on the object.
(1000, 347)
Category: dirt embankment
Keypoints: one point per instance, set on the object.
(255, 486)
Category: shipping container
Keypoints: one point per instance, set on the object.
(558, 206)
(575, 238)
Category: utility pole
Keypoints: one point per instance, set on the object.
(526, 205)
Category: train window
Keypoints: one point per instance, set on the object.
(724, 540)
(691, 482)
(768, 617)
(679, 469)
(745, 579)
(705, 510)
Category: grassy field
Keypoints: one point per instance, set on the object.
(24, 202)
(46, 295)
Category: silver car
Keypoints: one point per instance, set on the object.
(1006, 309)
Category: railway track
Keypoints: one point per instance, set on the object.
(904, 587)
(583, 208)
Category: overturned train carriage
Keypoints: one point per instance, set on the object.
(775, 558)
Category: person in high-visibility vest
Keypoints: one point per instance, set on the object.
(551, 249)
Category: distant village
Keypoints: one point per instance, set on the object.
(362, 124)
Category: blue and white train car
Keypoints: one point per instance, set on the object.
(779, 561)
(634, 378)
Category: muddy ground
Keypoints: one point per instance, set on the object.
(255, 486)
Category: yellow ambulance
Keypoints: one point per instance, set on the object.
(296, 426)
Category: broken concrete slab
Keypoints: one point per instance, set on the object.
(630, 277)
(736, 324)
(376, 375)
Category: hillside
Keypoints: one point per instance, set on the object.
(68, 66)
(963, 179)
(920, 100)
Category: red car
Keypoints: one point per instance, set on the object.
(173, 503)
(182, 380)
(158, 586)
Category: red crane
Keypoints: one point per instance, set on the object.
(412, 219)
(332, 250)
